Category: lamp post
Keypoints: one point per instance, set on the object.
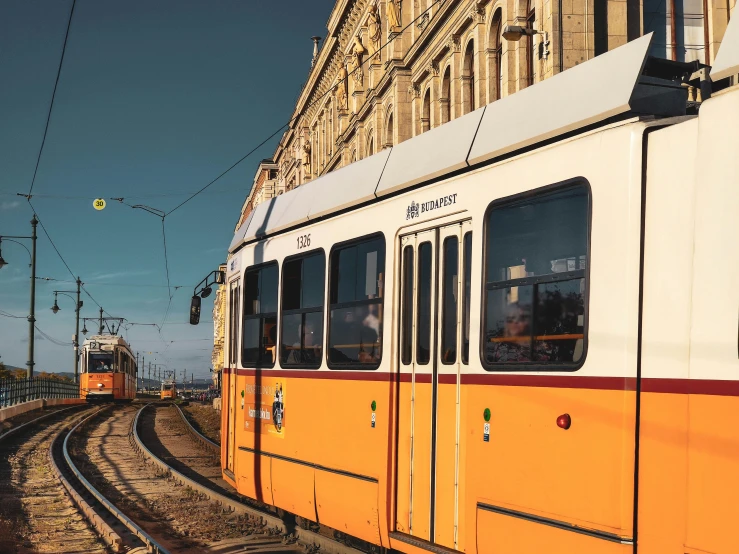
(32, 316)
(75, 340)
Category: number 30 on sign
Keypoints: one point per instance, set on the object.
(98, 204)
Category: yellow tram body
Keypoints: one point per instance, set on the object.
(107, 369)
(373, 378)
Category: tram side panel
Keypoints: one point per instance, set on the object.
(532, 486)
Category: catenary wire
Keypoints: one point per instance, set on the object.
(316, 101)
(53, 96)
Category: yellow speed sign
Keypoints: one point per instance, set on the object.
(98, 204)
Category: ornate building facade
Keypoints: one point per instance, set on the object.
(391, 69)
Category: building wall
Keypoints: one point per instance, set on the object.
(441, 63)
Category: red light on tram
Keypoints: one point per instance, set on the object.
(564, 421)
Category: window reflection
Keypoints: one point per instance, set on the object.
(536, 266)
(302, 311)
(355, 324)
(259, 330)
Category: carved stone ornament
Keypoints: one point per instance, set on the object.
(374, 30)
(454, 43)
(433, 68)
(476, 13)
(414, 91)
(393, 8)
(341, 96)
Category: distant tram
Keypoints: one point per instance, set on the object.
(169, 389)
(107, 369)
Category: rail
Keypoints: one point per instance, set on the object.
(209, 444)
(14, 391)
(152, 545)
(318, 542)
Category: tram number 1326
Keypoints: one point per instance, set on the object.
(303, 241)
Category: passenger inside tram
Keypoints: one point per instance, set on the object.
(100, 363)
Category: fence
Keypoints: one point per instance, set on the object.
(15, 391)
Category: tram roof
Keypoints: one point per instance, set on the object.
(590, 93)
(106, 339)
(727, 58)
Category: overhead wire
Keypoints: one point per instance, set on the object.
(53, 96)
(291, 120)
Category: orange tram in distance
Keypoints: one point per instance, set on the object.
(107, 370)
(169, 389)
(515, 333)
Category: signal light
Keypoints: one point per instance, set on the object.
(564, 421)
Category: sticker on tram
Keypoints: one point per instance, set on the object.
(265, 407)
(415, 210)
(486, 433)
(374, 419)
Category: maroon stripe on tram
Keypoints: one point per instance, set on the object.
(713, 387)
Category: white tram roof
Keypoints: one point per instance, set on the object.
(592, 92)
(727, 58)
(106, 339)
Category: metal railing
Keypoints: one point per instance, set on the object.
(14, 391)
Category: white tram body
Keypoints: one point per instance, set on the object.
(612, 227)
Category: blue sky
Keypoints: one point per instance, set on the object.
(155, 99)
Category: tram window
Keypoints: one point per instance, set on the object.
(234, 330)
(423, 326)
(536, 260)
(100, 363)
(450, 284)
(355, 314)
(407, 322)
(467, 252)
(259, 334)
(301, 338)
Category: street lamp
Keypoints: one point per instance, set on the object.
(515, 32)
(75, 340)
(32, 316)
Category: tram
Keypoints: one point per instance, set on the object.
(169, 389)
(107, 369)
(514, 333)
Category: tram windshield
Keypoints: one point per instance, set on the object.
(100, 363)
(167, 387)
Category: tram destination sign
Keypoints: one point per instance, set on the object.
(415, 210)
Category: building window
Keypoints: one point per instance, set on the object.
(389, 132)
(355, 312)
(446, 96)
(259, 335)
(536, 260)
(301, 335)
(426, 112)
(497, 49)
(531, 24)
(468, 78)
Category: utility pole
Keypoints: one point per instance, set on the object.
(32, 316)
(77, 335)
(100, 331)
(192, 383)
(137, 368)
(150, 374)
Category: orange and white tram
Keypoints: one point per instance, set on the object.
(514, 333)
(107, 369)
(168, 389)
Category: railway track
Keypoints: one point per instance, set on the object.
(130, 479)
(166, 438)
(36, 514)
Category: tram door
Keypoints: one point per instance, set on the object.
(231, 362)
(433, 336)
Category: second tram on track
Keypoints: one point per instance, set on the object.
(169, 389)
(513, 333)
(107, 369)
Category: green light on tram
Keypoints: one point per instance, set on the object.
(486, 414)
(374, 405)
